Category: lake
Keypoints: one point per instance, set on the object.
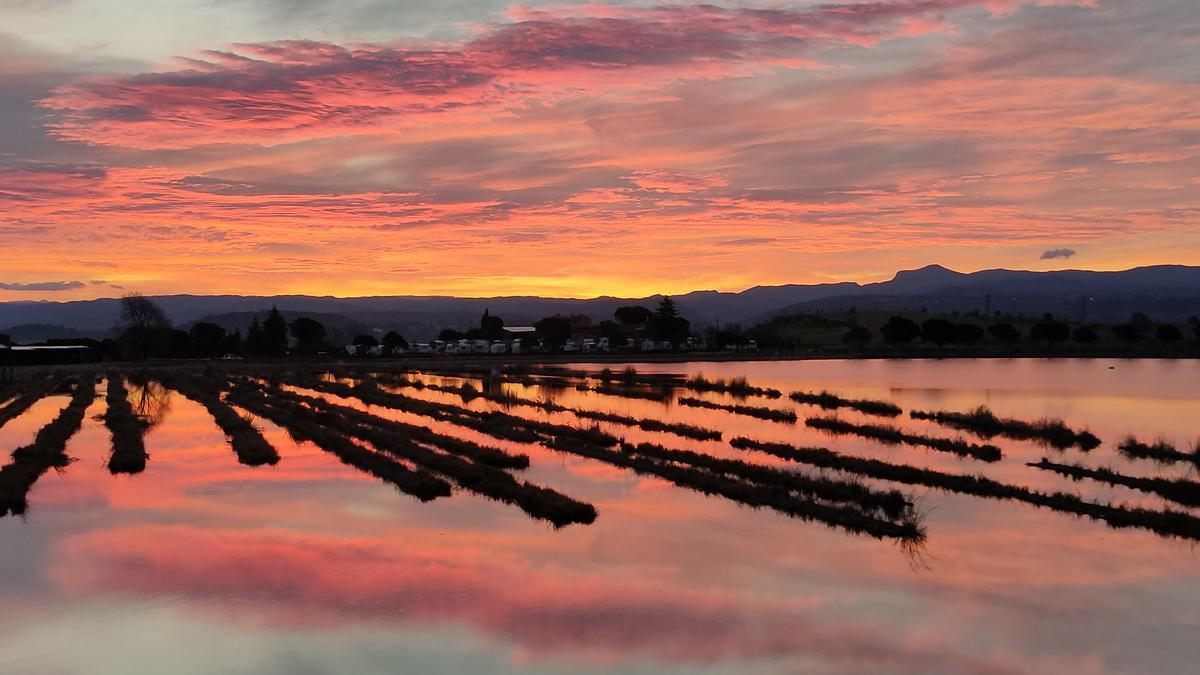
(201, 564)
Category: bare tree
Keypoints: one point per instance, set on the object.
(138, 311)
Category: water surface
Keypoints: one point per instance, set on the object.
(202, 565)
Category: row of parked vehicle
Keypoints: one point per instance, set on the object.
(533, 346)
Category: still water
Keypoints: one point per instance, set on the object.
(202, 565)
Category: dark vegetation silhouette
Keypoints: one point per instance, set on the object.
(1160, 451)
(300, 425)
(858, 336)
(738, 387)
(771, 414)
(983, 423)
(894, 436)
(246, 441)
(900, 331)
(830, 401)
(646, 424)
(1178, 490)
(26, 396)
(1169, 523)
(47, 451)
(470, 466)
(128, 445)
(310, 335)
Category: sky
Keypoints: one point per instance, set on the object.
(480, 148)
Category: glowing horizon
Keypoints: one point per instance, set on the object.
(580, 150)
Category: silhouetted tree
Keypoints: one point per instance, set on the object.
(1085, 335)
(1128, 332)
(1049, 331)
(1168, 333)
(394, 342)
(275, 332)
(1194, 322)
(555, 330)
(365, 340)
(968, 334)
(612, 331)
(1004, 332)
(1142, 321)
(937, 331)
(491, 327)
(666, 308)
(138, 311)
(5, 340)
(667, 325)
(146, 332)
(309, 333)
(858, 336)
(208, 339)
(255, 344)
(178, 344)
(233, 343)
(450, 335)
(899, 330)
(632, 315)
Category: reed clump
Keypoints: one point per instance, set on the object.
(657, 395)
(1178, 490)
(984, 423)
(894, 435)
(830, 401)
(1169, 523)
(738, 387)
(762, 413)
(47, 451)
(1160, 451)
(128, 444)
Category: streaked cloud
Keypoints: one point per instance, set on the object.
(44, 286)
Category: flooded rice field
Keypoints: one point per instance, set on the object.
(986, 516)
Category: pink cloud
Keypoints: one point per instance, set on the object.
(280, 92)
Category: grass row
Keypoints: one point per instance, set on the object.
(739, 387)
(1168, 522)
(894, 435)
(493, 423)
(1178, 490)
(771, 414)
(891, 503)
(645, 423)
(300, 425)
(483, 479)
(47, 451)
(831, 401)
(983, 423)
(128, 443)
(751, 494)
(27, 395)
(491, 456)
(595, 444)
(1159, 451)
(247, 441)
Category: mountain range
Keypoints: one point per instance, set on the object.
(1165, 292)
